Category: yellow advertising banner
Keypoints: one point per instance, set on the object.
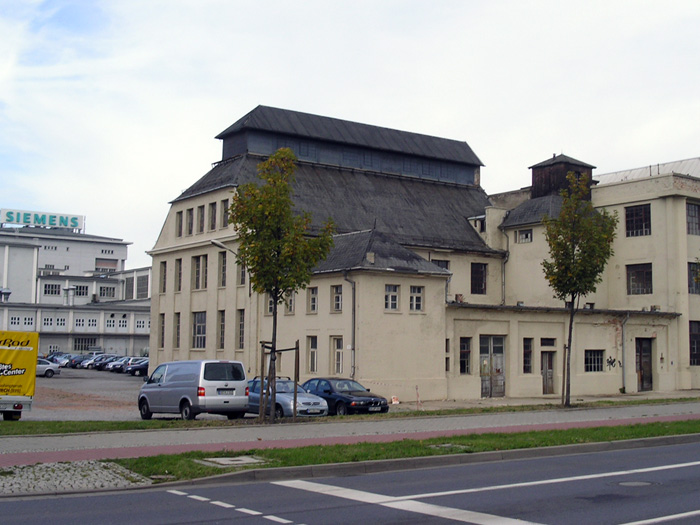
(18, 356)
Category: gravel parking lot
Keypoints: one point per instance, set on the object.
(78, 395)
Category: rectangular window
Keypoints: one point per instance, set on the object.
(479, 278)
(92, 323)
(190, 221)
(416, 304)
(312, 300)
(81, 290)
(224, 213)
(28, 322)
(14, 320)
(240, 314)
(199, 329)
(222, 329)
(129, 288)
(140, 324)
(212, 216)
(52, 289)
(199, 272)
(694, 343)
(79, 323)
(161, 330)
(337, 298)
(200, 219)
(548, 341)
(465, 354)
(107, 291)
(638, 220)
(693, 218)
(222, 269)
(123, 323)
(441, 263)
(527, 355)
(83, 344)
(110, 323)
(178, 275)
(693, 278)
(391, 297)
(270, 304)
(312, 352)
(337, 346)
(523, 236)
(61, 321)
(48, 321)
(178, 224)
(176, 331)
(289, 303)
(593, 360)
(639, 280)
(163, 275)
(240, 274)
(142, 287)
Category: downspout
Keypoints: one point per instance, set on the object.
(503, 268)
(624, 322)
(354, 321)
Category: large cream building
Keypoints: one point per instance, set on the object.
(433, 289)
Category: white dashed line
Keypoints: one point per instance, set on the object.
(177, 493)
(663, 519)
(223, 504)
(198, 498)
(248, 511)
(276, 519)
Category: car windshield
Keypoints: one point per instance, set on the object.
(347, 385)
(287, 387)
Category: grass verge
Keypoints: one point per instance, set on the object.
(27, 428)
(184, 466)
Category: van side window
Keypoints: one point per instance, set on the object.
(157, 375)
(224, 372)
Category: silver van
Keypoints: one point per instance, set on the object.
(195, 387)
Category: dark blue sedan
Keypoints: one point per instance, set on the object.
(345, 396)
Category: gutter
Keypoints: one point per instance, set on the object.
(354, 322)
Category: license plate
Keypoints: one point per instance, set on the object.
(226, 392)
(313, 411)
(375, 409)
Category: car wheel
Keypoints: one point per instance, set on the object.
(136, 372)
(48, 373)
(144, 410)
(279, 412)
(341, 409)
(186, 411)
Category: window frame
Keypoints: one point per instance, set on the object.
(594, 361)
(640, 279)
(479, 275)
(638, 220)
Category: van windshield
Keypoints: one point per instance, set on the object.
(223, 372)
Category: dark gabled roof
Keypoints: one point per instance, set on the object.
(561, 159)
(373, 250)
(284, 121)
(413, 212)
(533, 211)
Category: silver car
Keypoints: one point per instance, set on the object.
(46, 368)
(307, 404)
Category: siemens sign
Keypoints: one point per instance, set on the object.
(37, 218)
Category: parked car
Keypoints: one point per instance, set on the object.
(120, 366)
(194, 387)
(345, 396)
(101, 365)
(92, 360)
(116, 363)
(139, 368)
(77, 359)
(46, 368)
(307, 404)
(64, 360)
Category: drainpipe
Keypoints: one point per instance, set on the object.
(354, 321)
(624, 322)
(503, 268)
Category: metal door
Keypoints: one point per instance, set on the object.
(643, 364)
(492, 365)
(547, 370)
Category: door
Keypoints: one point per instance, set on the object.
(643, 364)
(547, 370)
(492, 365)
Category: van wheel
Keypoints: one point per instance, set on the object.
(235, 415)
(186, 411)
(144, 410)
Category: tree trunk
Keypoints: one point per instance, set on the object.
(572, 312)
(272, 379)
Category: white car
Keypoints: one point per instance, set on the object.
(46, 368)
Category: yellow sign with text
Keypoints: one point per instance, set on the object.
(18, 356)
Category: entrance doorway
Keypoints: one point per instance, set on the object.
(492, 362)
(643, 364)
(547, 370)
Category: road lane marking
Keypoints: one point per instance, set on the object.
(248, 511)
(663, 519)
(418, 507)
(198, 498)
(177, 493)
(223, 504)
(276, 519)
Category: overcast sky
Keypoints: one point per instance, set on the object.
(109, 109)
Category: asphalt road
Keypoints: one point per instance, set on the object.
(649, 485)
